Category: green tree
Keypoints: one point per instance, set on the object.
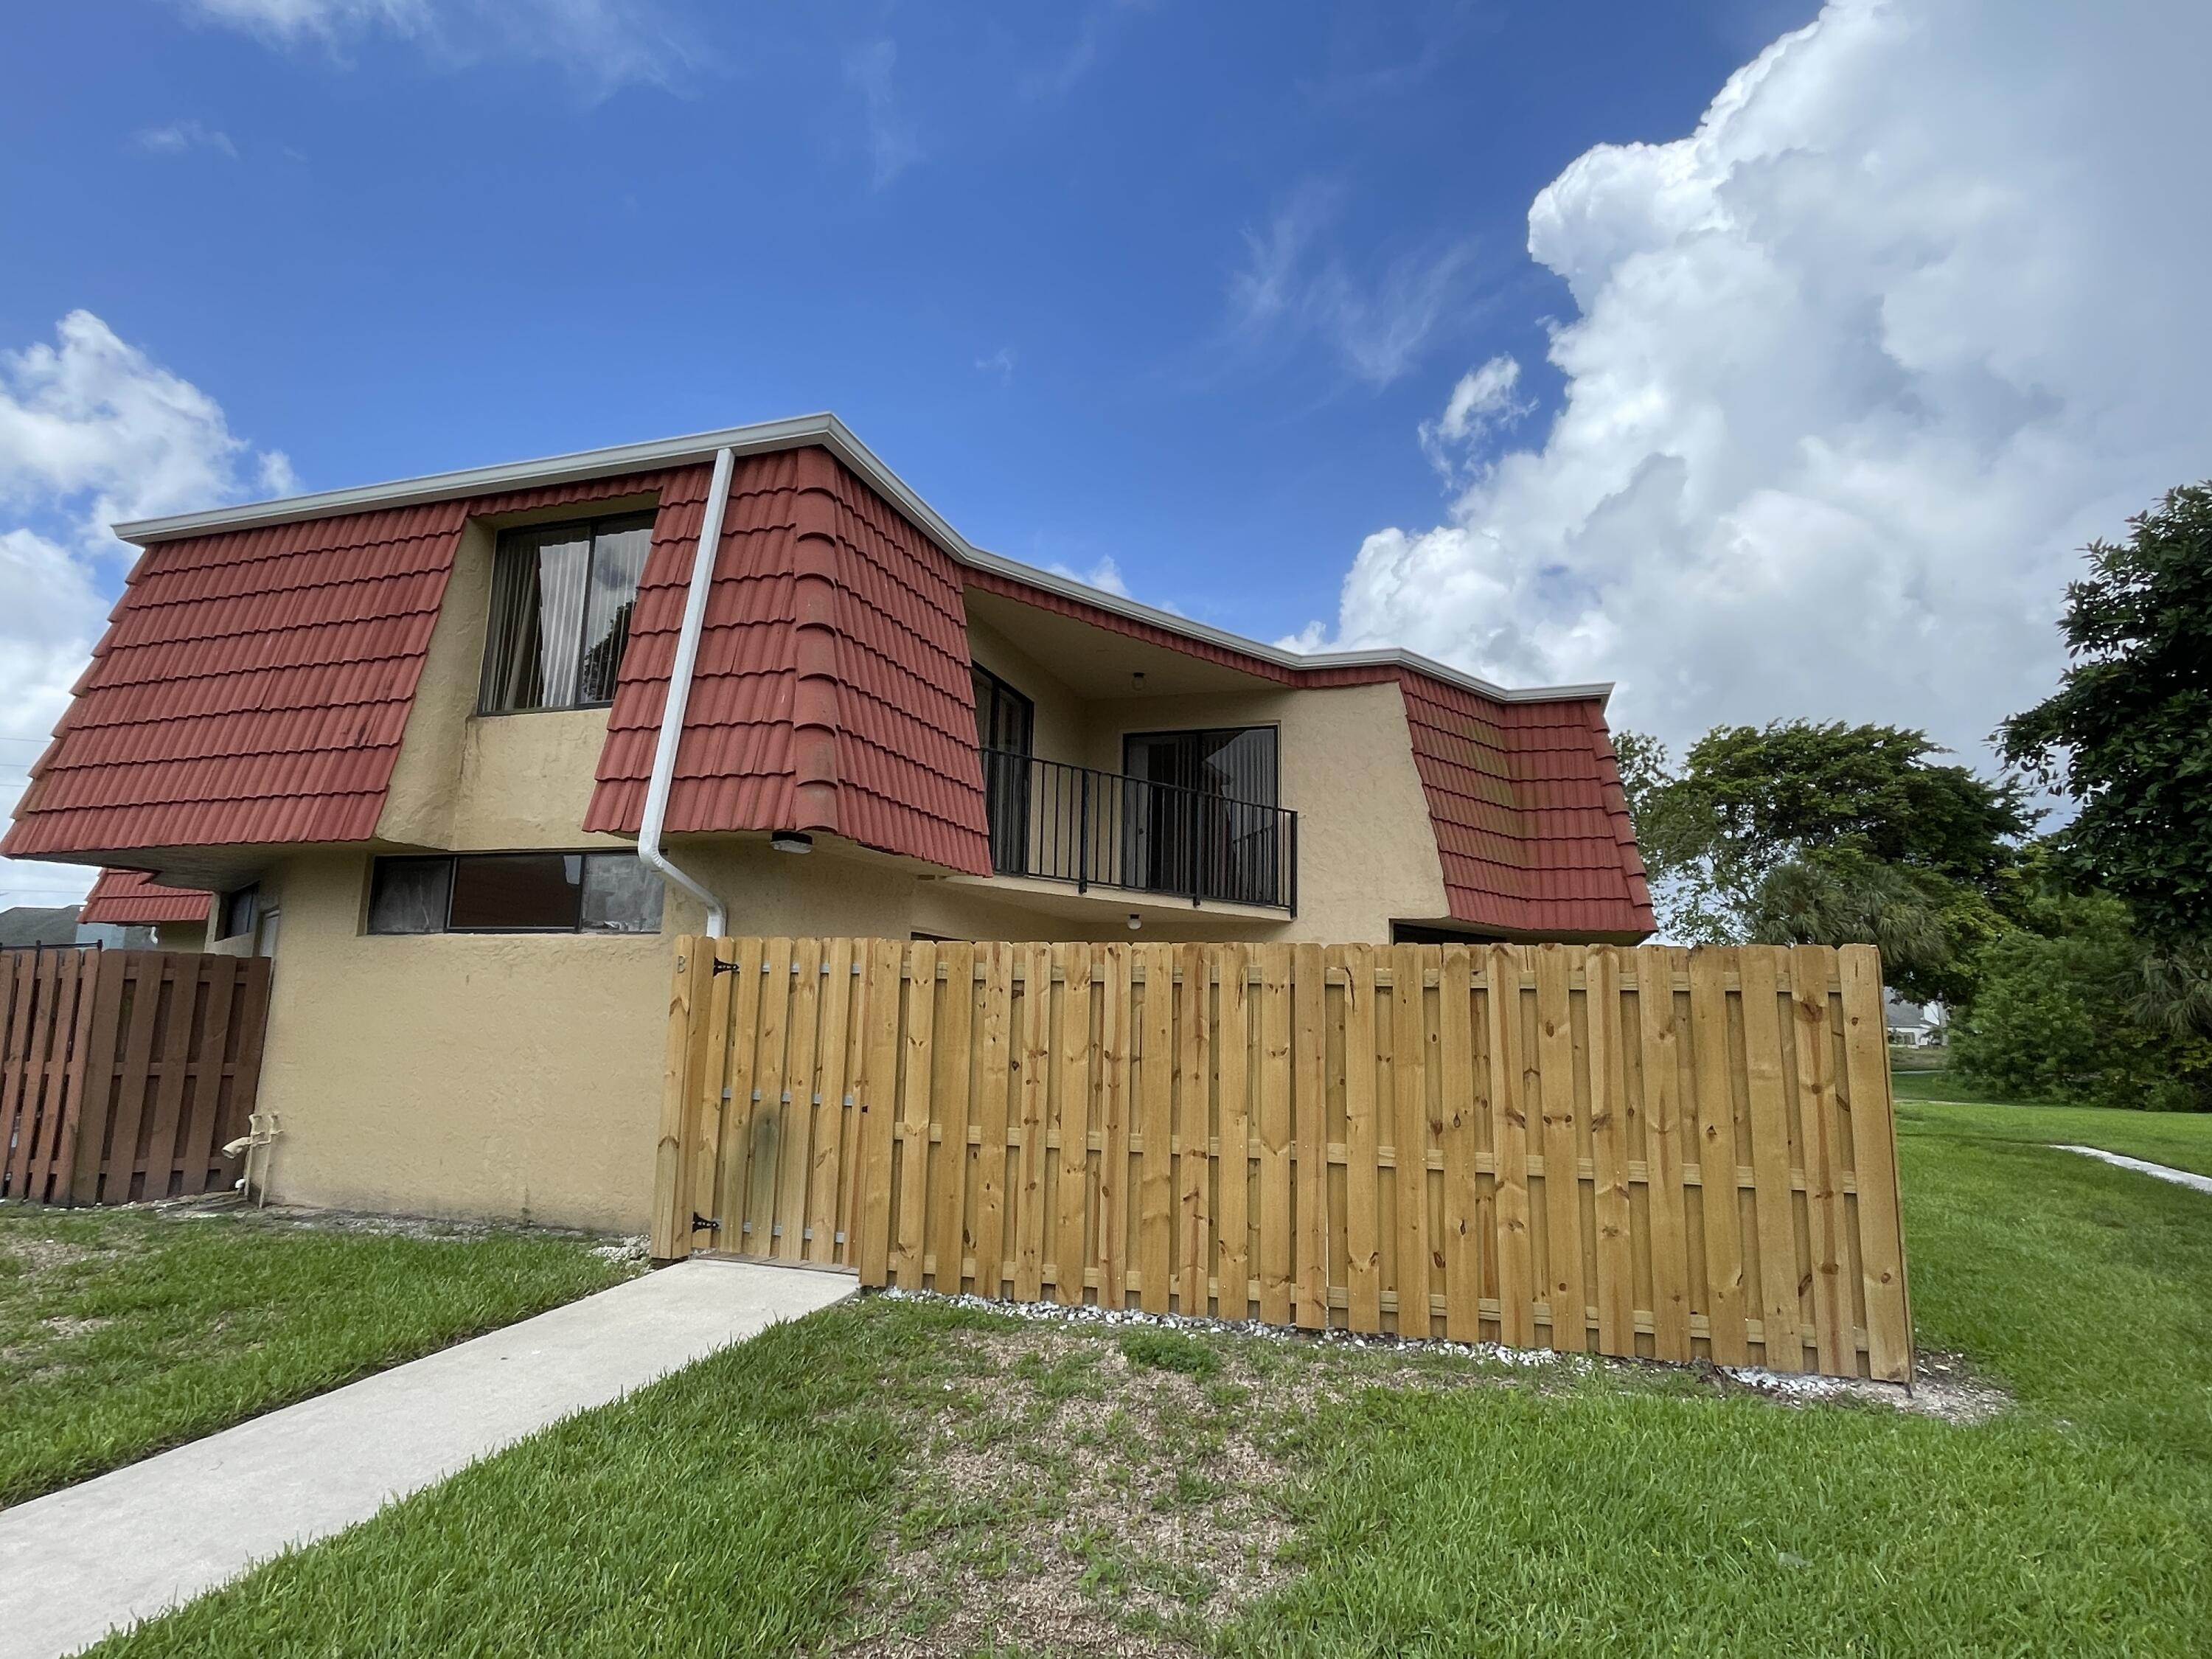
(2053, 1017)
(1800, 832)
(2128, 734)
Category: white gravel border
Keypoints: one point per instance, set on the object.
(1931, 1396)
(2143, 1166)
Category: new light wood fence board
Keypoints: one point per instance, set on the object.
(1684, 1154)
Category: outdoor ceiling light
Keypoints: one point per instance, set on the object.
(792, 841)
(1135, 921)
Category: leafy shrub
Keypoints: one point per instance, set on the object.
(2052, 1020)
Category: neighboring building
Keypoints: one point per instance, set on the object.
(409, 730)
(1913, 1024)
(66, 925)
(25, 925)
(129, 908)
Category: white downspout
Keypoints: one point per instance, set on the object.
(679, 695)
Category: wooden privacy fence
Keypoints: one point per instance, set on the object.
(1677, 1154)
(123, 1073)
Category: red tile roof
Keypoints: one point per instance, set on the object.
(253, 685)
(1531, 825)
(831, 691)
(131, 898)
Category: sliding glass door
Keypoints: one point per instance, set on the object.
(1202, 817)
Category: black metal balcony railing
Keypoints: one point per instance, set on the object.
(1076, 823)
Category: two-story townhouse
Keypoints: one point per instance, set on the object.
(409, 737)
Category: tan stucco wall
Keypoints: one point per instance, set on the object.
(419, 802)
(512, 1075)
(180, 936)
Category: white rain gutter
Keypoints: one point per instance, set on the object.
(680, 696)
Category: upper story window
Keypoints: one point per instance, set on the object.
(561, 600)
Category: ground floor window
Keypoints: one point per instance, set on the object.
(514, 893)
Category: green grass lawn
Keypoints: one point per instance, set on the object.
(126, 1331)
(891, 1474)
(2182, 1139)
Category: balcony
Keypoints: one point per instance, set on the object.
(1054, 821)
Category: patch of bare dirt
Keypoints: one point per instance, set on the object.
(1943, 1385)
(41, 1255)
(1067, 1500)
(65, 1326)
(1071, 1502)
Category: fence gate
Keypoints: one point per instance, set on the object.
(1683, 1154)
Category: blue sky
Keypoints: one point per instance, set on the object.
(1025, 250)
(1767, 359)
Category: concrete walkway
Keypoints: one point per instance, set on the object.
(2143, 1166)
(78, 1563)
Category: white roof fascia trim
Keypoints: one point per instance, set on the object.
(833, 434)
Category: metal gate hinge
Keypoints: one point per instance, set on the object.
(705, 1224)
(722, 967)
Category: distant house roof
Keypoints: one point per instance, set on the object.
(131, 898)
(254, 683)
(32, 924)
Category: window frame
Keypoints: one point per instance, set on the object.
(451, 860)
(250, 896)
(647, 517)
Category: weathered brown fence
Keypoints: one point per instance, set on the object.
(123, 1073)
(1675, 1153)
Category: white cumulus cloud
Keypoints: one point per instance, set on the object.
(92, 430)
(1105, 576)
(1856, 368)
(1484, 400)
